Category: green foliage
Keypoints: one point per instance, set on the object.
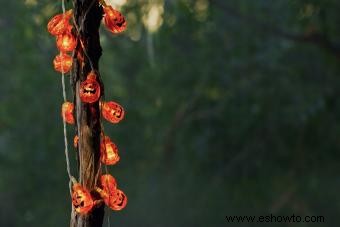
(226, 114)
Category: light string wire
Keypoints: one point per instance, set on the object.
(68, 168)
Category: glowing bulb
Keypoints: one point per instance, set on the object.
(89, 91)
(81, 199)
(114, 20)
(108, 182)
(108, 152)
(112, 112)
(59, 23)
(67, 112)
(116, 199)
(62, 63)
(66, 42)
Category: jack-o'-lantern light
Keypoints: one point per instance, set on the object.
(114, 21)
(59, 23)
(66, 42)
(89, 91)
(67, 112)
(108, 152)
(108, 182)
(112, 112)
(62, 63)
(81, 199)
(115, 199)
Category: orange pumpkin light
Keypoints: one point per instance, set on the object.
(59, 23)
(116, 200)
(81, 199)
(62, 63)
(108, 152)
(89, 91)
(67, 112)
(75, 141)
(114, 20)
(108, 182)
(113, 112)
(66, 42)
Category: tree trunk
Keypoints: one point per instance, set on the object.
(87, 15)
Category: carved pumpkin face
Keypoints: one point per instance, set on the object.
(81, 199)
(117, 200)
(114, 20)
(108, 182)
(89, 91)
(66, 42)
(59, 23)
(62, 63)
(113, 112)
(108, 152)
(67, 112)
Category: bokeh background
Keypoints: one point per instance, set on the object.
(232, 109)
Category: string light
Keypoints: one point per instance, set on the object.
(112, 196)
(89, 91)
(59, 23)
(108, 182)
(62, 63)
(66, 42)
(112, 112)
(108, 152)
(114, 21)
(115, 199)
(67, 112)
(81, 199)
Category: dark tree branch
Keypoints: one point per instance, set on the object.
(314, 38)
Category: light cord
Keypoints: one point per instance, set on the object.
(68, 169)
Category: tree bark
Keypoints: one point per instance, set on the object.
(87, 17)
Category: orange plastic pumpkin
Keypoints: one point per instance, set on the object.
(89, 91)
(66, 42)
(114, 20)
(59, 23)
(112, 112)
(62, 63)
(81, 199)
(108, 182)
(67, 112)
(108, 152)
